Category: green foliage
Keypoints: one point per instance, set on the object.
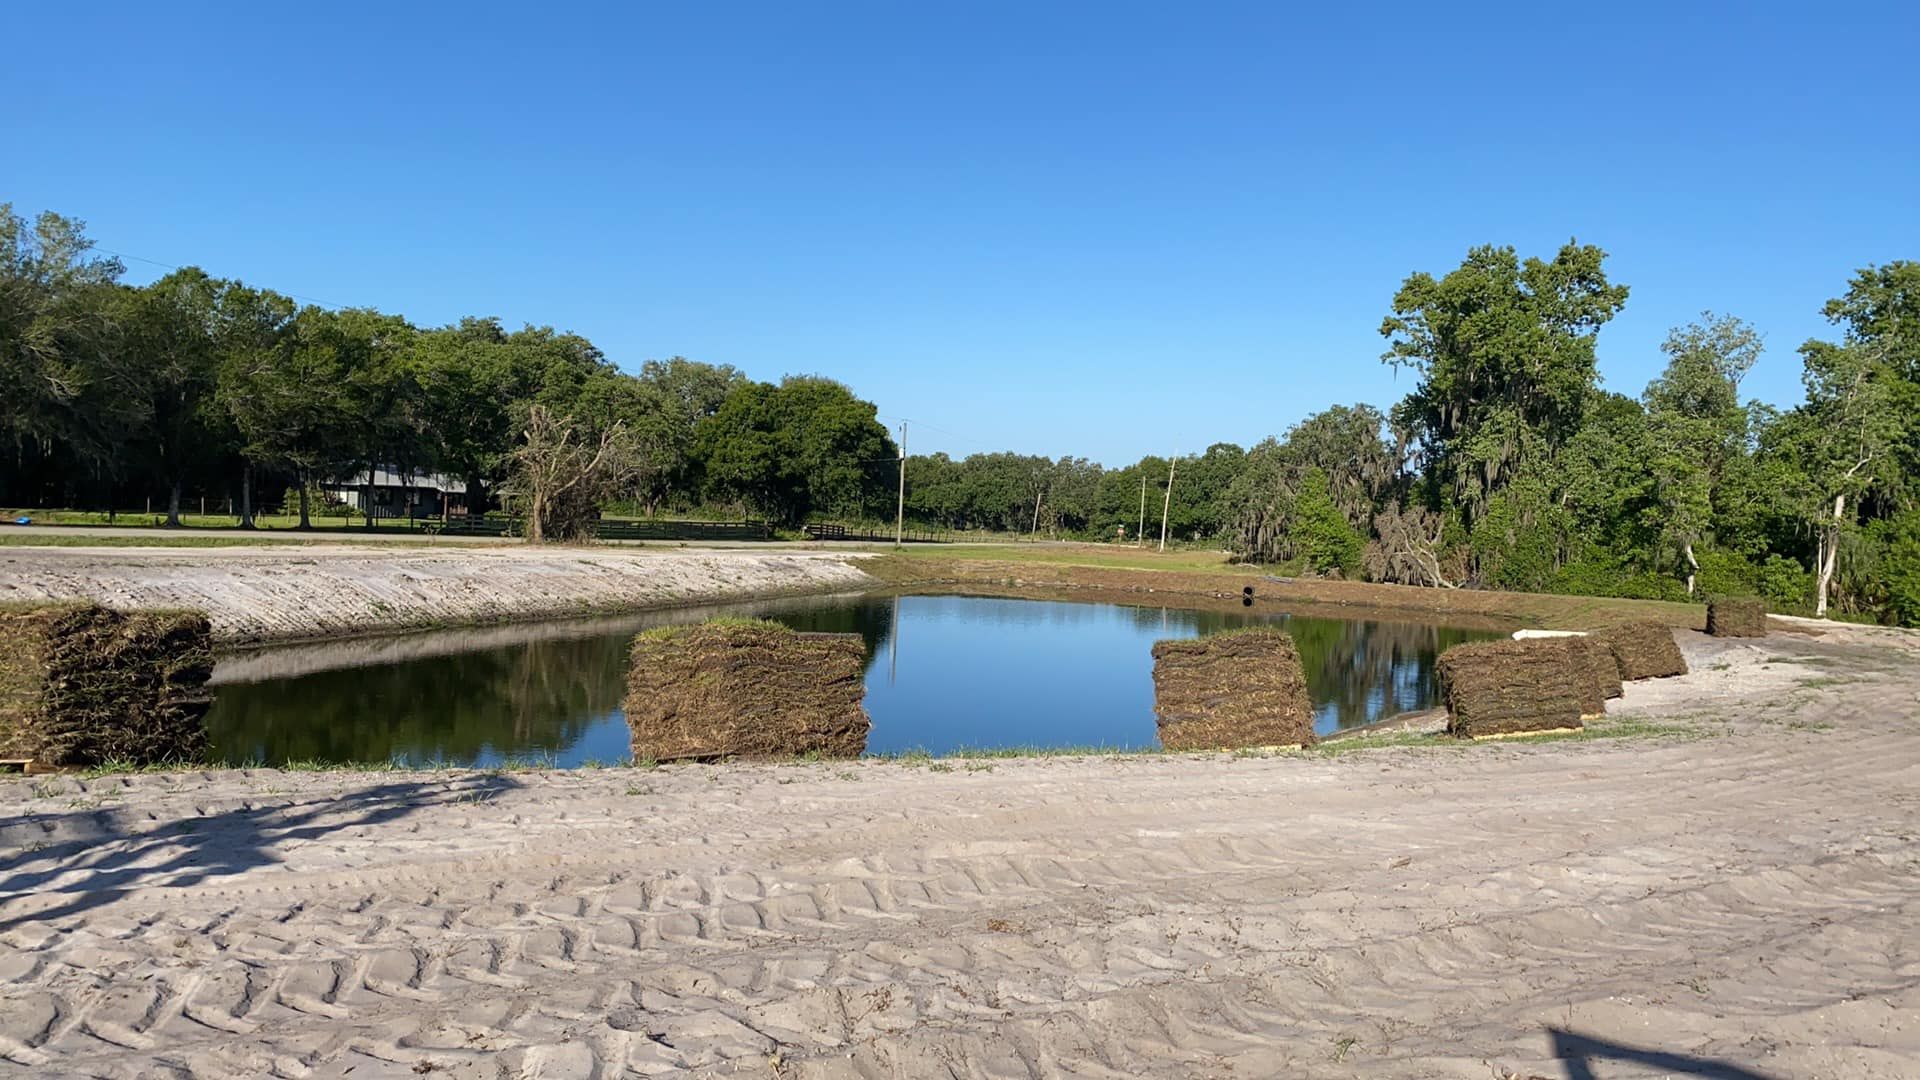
(805, 447)
(1786, 585)
(1505, 355)
(1901, 567)
(1726, 573)
(1340, 455)
(1321, 533)
(1697, 430)
(1517, 543)
(1071, 496)
(1606, 574)
(319, 501)
(62, 376)
(194, 383)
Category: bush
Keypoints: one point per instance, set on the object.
(1901, 569)
(321, 502)
(1321, 533)
(1516, 544)
(1726, 573)
(1786, 585)
(1605, 574)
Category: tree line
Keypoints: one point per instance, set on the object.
(194, 384)
(1507, 466)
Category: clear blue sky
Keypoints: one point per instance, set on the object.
(1105, 229)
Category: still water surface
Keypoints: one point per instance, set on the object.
(945, 673)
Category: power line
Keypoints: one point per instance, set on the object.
(171, 266)
(968, 439)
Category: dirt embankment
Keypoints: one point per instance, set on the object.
(1305, 596)
(277, 594)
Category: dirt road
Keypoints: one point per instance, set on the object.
(1739, 900)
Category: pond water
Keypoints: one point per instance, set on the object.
(945, 673)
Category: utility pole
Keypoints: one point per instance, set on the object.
(1166, 505)
(900, 508)
(1140, 534)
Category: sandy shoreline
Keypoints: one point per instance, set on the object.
(1738, 902)
(283, 593)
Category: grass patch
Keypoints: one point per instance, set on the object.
(1625, 728)
(1386, 741)
(736, 622)
(1113, 555)
(1629, 728)
(923, 758)
(526, 763)
(124, 767)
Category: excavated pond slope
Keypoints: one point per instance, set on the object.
(274, 594)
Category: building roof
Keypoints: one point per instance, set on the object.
(387, 476)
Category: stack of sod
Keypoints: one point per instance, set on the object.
(1737, 618)
(82, 684)
(746, 688)
(1229, 691)
(1512, 687)
(1599, 673)
(1644, 650)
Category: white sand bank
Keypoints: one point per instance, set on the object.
(280, 593)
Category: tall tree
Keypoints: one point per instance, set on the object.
(1505, 355)
(292, 400)
(255, 333)
(1337, 458)
(746, 457)
(383, 399)
(171, 331)
(1841, 442)
(470, 387)
(806, 446)
(60, 376)
(1880, 312)
(1698, 427)
(679, 394)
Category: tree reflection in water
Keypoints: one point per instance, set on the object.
(986, 670)
(1358, 671)
(466, 708)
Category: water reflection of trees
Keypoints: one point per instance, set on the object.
(871, 618)
(544, 694)
(1358, 670)
(527, 697)
(541, 695)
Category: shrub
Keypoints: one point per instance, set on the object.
(1901, 569)
(1606, 574)
(1321, 533)
(1726, 573)
(1516, 544)
(1786, 585)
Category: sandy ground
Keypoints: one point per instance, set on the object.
(1741, 901)
(281, 592)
